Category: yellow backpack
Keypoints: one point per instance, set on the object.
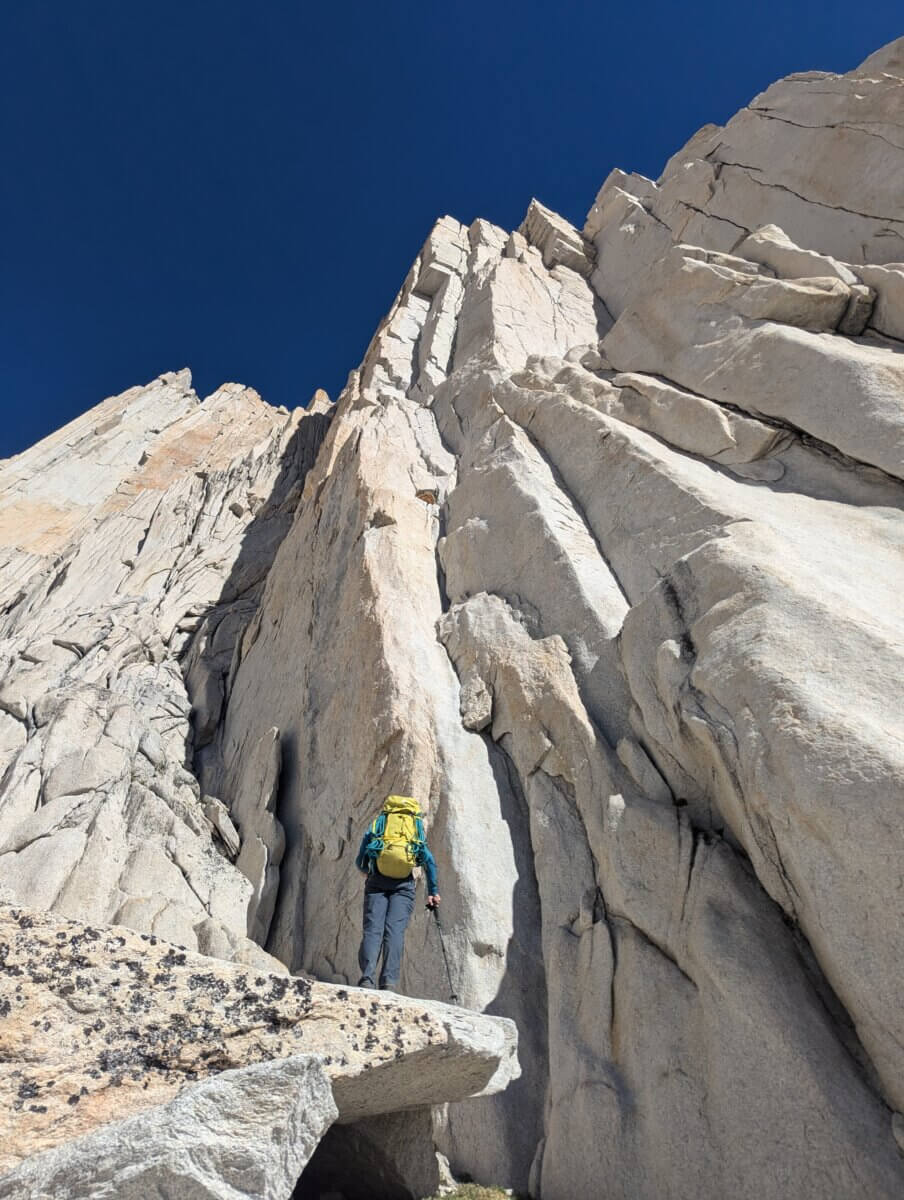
(398, 837)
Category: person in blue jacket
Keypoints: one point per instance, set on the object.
(389, 902)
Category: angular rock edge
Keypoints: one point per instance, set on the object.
(99, 1024)
(245, 1132)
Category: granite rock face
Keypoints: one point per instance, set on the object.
(600, 557)
(134, 545)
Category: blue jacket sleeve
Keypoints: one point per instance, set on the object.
(428, 862)
(362, 862)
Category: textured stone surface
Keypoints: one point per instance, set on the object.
(818, 155)
(600, 557)
(714, 462)
(710, 328)
(115, 641)
(100, 1024)
(245, 1132)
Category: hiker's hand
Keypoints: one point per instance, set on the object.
(433, 901)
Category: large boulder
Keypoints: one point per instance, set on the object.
(99, 1024)
(245, 1132)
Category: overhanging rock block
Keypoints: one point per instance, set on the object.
(100, 1024)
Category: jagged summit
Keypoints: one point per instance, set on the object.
(598, 554)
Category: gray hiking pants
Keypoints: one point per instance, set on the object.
(388, 904)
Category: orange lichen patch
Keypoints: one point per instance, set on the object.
(44, 500)
(171, 455)
(226, 425)
(38, 526)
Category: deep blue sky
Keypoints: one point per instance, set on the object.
(240, 186)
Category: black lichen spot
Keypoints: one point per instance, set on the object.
(272, 1017)
(278, 987)
(342, 994)
(152, 1061)
(209, 982)
(115, 1061)
(5, 1007)
(8, 967)
(28, 1089)
(38, 1108)
(25, 921)
(74, 1098)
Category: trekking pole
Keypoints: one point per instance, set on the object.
(453, 998)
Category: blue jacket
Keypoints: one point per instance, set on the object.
(365, 860)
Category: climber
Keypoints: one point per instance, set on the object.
(392, 846)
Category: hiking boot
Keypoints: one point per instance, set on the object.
(366, 982)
